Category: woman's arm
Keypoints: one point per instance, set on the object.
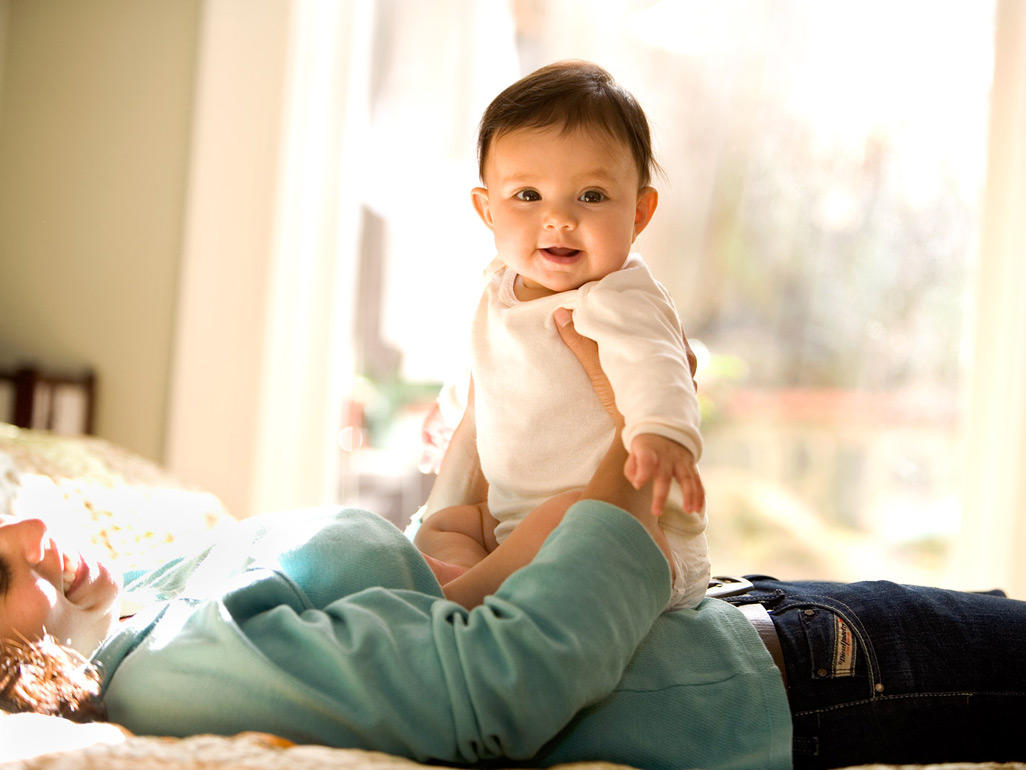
(607, 484)
(338, 646)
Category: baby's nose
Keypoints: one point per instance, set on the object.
(558, 218)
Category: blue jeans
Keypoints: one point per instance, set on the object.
(879, 672)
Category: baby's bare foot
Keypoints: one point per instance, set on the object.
(444, 571)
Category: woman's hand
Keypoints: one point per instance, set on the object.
(586, 351)
(609, 484)
(652, 458)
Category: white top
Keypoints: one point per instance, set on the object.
(540, 427)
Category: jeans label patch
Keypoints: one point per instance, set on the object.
(844, 649)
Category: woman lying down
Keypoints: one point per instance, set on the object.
(333, 629)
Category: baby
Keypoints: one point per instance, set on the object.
(565, 157)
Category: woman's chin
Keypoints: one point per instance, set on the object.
(91, 631)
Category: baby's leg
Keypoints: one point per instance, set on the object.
(516, 550)
(444, 571)
(685, 533)
(460, 534)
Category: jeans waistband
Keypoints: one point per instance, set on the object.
(732, 588)
(763, 623)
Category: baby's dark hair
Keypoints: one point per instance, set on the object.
(46, 677)
(571, 94)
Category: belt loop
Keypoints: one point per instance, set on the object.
(760, 618)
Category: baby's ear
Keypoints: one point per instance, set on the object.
(479, 195)
(648, 199)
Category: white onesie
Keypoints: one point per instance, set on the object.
(541, 430)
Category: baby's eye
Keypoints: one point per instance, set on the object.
(591, 196)
(527, 195)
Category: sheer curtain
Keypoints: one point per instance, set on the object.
(989, 550)
(313, 121)
(262, 331)
(436, 66)
(330, 246)
(818, 227)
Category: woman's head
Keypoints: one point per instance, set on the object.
(44, 589)
(45, 677)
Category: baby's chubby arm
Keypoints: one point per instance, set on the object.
(651, 367)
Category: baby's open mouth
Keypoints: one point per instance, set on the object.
(559, 251)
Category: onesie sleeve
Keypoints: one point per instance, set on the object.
(635, 323)
(402, 670)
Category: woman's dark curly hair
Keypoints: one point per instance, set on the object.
(46, 677)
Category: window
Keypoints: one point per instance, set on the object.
(817, 226)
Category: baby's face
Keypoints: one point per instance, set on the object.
(72, 597)
(564, 207)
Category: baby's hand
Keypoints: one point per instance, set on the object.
(660, 460)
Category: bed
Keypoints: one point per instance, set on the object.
(133, 509)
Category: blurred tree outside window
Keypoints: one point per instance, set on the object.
(817, 226)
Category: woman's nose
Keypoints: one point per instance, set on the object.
(31, 536)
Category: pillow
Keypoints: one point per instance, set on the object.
(101, 495)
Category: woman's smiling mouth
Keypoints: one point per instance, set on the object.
(76, 571)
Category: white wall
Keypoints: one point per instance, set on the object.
(220, 334)
(994, 519)
(149, 229)
(95, 113)
(262, 329)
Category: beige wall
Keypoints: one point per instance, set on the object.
(262, 338)
(95, 120)
(216, 402)
(5, 9)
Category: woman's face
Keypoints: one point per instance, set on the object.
(43, 588)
